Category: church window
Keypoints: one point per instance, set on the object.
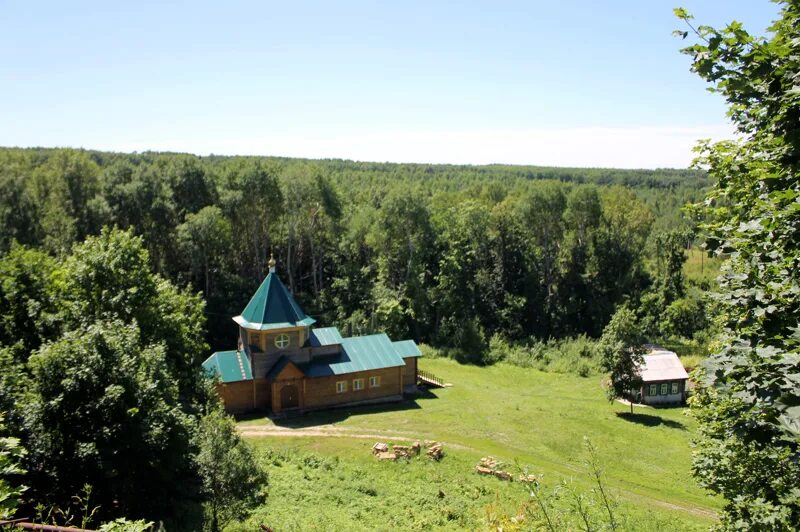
(281, 341)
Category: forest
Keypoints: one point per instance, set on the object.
(448, 255)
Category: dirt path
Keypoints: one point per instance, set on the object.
(332, 431)
(283, 432)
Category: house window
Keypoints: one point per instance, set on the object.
(254, 339)
(653, 389)
(374, 382)
(281, 341)
(664, 389)
(674, 387)
(341, 386)
(358, 384)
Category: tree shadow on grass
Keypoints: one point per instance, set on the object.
(650, 420)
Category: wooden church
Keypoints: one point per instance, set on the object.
(283, 364)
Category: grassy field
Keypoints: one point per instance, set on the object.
(699, 267)
(326, 478)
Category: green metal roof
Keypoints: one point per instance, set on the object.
(272, 307)
(324, 336)
(231, 366)
(359, 353)
(407, 348)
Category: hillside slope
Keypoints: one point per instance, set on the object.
(525, 417)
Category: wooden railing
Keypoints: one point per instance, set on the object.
(429, 378)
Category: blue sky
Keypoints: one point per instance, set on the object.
(566, 82)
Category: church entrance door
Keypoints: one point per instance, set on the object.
(290, 396)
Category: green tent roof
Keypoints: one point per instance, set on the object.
(231, 366)
(272, 307)
(360, 353)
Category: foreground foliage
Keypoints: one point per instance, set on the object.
(103, 410)
(749, 403)
(103, 386)
(11, 454)
(233, 479)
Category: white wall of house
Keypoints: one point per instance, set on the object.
(663, 399)
(662, 395)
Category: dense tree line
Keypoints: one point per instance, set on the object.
(449, 255)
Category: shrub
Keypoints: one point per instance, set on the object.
(684, 317)
(499, 350)
(123, 525)
(577, 355)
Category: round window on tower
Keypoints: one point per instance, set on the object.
(281, 341)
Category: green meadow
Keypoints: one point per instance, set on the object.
(323, 476)
(699, 267)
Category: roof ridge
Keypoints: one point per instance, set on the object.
(366, 336)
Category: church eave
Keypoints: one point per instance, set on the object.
(305, 322)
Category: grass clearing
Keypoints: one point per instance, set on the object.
(518, 415)
(690, 353)
(700, 267)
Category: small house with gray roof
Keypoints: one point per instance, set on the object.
(664, 379)
(284, 364)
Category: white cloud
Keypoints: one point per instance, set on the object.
(645, 147)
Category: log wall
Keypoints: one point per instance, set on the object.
(321, 391)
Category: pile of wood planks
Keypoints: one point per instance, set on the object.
(379, 448)
(492, 466)
(383, 452)
(435, 450)
(386, 456)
